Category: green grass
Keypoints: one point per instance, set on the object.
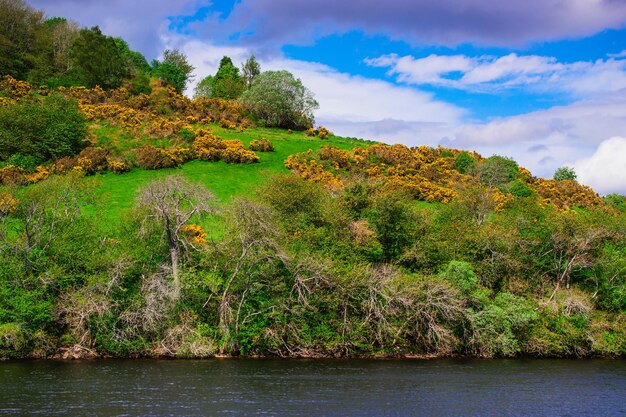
(224, 180)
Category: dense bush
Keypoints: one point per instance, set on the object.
(261, 145)
(149, 157)
(45, 129)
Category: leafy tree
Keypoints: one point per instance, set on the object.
(565, 173)
(497, 171)
(175, 70)
(393, 221)
(46, 129)
(227, 82)
(278, 99)
(204, 87)
(64, 33)
(170, 74)
(519, 189)
(19, 24)
(134, 61)
(250, 69)
(96, 60)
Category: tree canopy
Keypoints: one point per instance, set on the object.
(279, 99)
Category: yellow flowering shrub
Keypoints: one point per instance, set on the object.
(40, 174)
(12, 175)
(566, 194)
(149, 157)
(8, 203)
(194, 233)
(261, 145)
(13, 88)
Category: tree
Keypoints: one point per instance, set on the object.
(497, 171)
(64, 34)
(18, 26)
(175, 70)
(172, 203)
(565, 173)
(134, 61)
(204, 87)
(96, 60)
(227, 82)
(278, 99)
(250, 69)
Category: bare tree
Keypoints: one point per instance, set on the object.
(172, 202)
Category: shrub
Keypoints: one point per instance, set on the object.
(323, 133)
(13, 341)
(519, 189)
(12, 175)
(235, 153)
(616, 201)
(44, 129)
(261, 145)
(118, 165)
(502, 327)
(208, 147)
(92, 160)
(464, 162)
(149, 157)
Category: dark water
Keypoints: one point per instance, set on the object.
(314, 388)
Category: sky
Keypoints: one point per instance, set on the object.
(541, 81)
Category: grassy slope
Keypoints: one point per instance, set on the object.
(224, 180)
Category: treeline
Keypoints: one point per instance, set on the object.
(57, 52)
(306, 270)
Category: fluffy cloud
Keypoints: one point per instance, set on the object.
(492, 74)
(605, 170)
(449, 22)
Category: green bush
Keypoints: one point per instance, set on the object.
(519, 189)
(13, 341)
(502, 327)
(44, 129)
(464, 162)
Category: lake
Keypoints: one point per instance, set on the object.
(269, 387)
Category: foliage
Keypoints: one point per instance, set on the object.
(43, 129)
(565, 173)
(227, 82)
(250, 70)
(464, 162)
(175, 69)
(261, 145)
(97, 60)
(278, 99)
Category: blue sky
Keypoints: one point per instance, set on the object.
(542, 81)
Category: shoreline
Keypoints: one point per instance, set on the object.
(73, 357)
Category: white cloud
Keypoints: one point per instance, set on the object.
(605, 170)
(493, 74)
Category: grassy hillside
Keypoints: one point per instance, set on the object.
(223, 179)
(108, 246)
